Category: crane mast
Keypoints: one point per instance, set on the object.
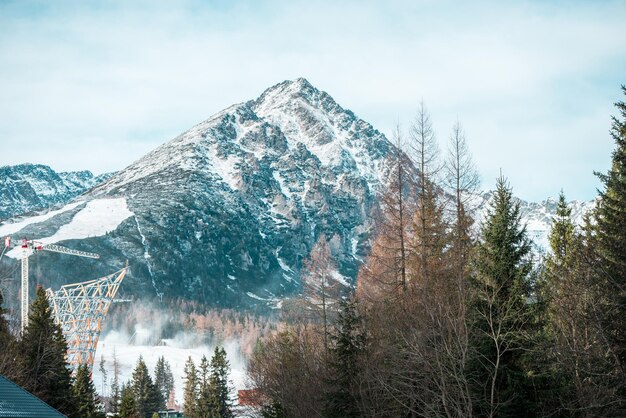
(24, 306)
(30, 247)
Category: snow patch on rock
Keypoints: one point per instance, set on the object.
(97, 218)
(12, 228)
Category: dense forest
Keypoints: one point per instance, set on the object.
(447, 318)
(454, 319)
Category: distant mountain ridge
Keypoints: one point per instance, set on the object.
(538, 217)
(28, 187)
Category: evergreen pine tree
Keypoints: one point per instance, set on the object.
(349, 341)
(273, 410)
(502, 316)
(87, 403)
(146, 394)
(206, 402)
(576, 361)
(163, 379)
(611, 249)
(560, 294)
(5, 333)
(128, 405)
(562, 232)
(220, 384)
(7, 347)
(190, 392)
(44, 369)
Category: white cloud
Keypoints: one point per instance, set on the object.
(86, 86)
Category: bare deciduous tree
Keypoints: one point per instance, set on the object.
(386, 270)
(288, 368)
(462, 181)
(425, 153)
(321, 289)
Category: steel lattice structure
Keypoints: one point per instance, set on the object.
(80, 308)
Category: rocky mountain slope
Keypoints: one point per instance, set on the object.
(227, 212)
(28, 187)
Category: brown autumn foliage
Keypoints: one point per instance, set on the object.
(176, 317)
(290, 368)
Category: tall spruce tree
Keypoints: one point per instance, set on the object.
(44, 369)
(128, 404)
(163, 380)
(501, 313)
(190, 391)
(577, 362)
(559, 293)
(349, 342)
(611, 245)
(206, 404)
(611, 249)
(146, 394)
(8, 353)
(220, 384)
(5, 333)
(84, 391)
(562, 232)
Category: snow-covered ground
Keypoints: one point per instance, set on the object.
(11, 228)
(176, 351)
(97, 218)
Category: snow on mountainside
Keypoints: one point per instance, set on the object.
(227, 212)
(290, 121)
(95, 218)
(28, 187)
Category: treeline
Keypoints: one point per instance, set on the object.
(179, 318)
(446, 323)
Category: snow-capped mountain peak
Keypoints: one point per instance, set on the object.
(227, 211)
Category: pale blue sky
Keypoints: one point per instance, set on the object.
(95, 85)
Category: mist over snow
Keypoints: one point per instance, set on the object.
(143, 340)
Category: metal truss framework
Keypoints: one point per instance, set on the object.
(80, 308)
